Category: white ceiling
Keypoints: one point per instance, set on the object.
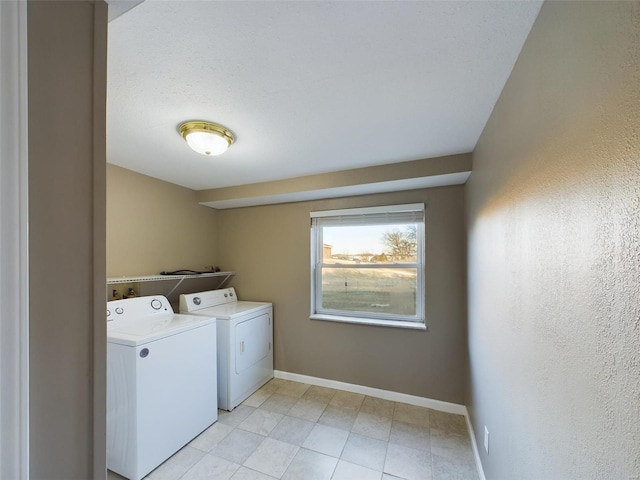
(306, 87)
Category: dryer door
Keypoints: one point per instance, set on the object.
(253, 341)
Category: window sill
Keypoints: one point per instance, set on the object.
(370, 321)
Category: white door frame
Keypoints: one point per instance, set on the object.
(14, 243)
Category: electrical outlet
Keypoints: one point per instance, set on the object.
(486, 439)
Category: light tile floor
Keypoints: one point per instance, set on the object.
(294, 431)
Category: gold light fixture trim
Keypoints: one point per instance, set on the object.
(206, 138)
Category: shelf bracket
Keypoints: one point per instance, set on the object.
(175, 286)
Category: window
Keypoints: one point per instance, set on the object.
(367, 265)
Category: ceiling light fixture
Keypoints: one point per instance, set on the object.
(206, 138)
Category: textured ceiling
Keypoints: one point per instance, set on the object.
(307, 87)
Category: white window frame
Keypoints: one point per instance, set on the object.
(367, 216)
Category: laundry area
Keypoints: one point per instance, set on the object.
(168, 373)
(482, 135)
(262, 253)
(228, 237)
(209, 211)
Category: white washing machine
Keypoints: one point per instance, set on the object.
(245, 341)
(161, 382)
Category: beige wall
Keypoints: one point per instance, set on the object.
(155, 226)
(437, 171)
(554, 268)
(269, 248)
(66, 140)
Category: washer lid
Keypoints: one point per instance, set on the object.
(147, 329)
(233, 309)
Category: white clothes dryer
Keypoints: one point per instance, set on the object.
(245, 341)
(161, 382)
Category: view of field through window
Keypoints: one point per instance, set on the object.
(370, 269)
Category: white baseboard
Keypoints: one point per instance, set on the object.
(395, 397)
(375, 392)
(474, 445)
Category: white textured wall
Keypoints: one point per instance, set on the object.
(554, 253)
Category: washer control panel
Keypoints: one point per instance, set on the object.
(136, 307)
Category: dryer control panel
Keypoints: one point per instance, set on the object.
(197, 301)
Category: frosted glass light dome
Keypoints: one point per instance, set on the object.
(206, 138)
